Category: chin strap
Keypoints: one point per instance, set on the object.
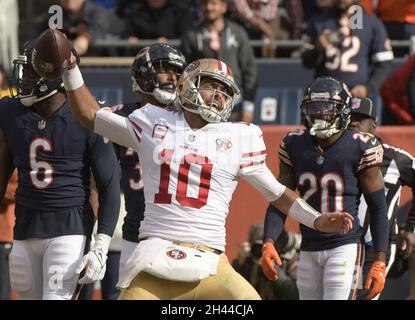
(31, 100)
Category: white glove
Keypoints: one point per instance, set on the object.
(95, 260)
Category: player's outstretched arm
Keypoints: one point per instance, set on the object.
(102, 121)
(6, 165)
(293, 206)
(289, 203)
(82, 102)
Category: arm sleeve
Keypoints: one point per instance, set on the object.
(380, 72)
(379, 225)
(106, 174)
(119, 129)
(274, 223)
(253, 167)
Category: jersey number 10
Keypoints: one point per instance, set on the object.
(163, 197)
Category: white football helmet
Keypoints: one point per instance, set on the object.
(189, 97)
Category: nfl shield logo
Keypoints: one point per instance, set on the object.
(41, 124)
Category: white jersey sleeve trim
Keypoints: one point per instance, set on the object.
(382, 56)
(117, 128)
(264, 181)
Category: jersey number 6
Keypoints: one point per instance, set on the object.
(41, 172)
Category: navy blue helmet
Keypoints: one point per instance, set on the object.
(152, 60)
(326, 107)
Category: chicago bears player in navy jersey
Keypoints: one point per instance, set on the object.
(354, 49)
(331, 166)
(54, 156)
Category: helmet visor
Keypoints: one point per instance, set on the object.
(321, 110)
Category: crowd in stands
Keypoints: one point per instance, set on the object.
(224, 29)
(88, 20)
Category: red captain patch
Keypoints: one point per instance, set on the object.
(159, 131)
(176, 254)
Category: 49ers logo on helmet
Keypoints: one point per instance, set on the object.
(193, 65)
(176, 254)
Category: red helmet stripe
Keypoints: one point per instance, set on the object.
(228, 71)
(219, 65)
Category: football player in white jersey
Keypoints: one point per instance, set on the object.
(191, 161)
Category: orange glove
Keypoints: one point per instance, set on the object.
(270, 255)
(376, 279)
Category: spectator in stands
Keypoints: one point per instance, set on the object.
(158, 19)
(6, 236)
(219, 38)
(398, 94)
(262, 20)
(346, 50)
(398, 16)
(83, 22)
(313, 8)
(248, 264)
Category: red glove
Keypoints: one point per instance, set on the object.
(270, 255)
(376, 279)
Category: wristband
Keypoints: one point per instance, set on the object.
(72, 79)
(303, 213)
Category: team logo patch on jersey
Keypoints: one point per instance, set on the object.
(159, 131)
(176, 254)
(223, 144)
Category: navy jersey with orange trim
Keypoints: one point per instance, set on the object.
(131, 181)
(359, 47)
(54, 157)
(328, 181)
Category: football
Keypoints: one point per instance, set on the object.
(51, 54)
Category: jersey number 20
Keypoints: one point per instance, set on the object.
(325, 181)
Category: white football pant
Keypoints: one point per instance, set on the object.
(45, 268)
(329, 274)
